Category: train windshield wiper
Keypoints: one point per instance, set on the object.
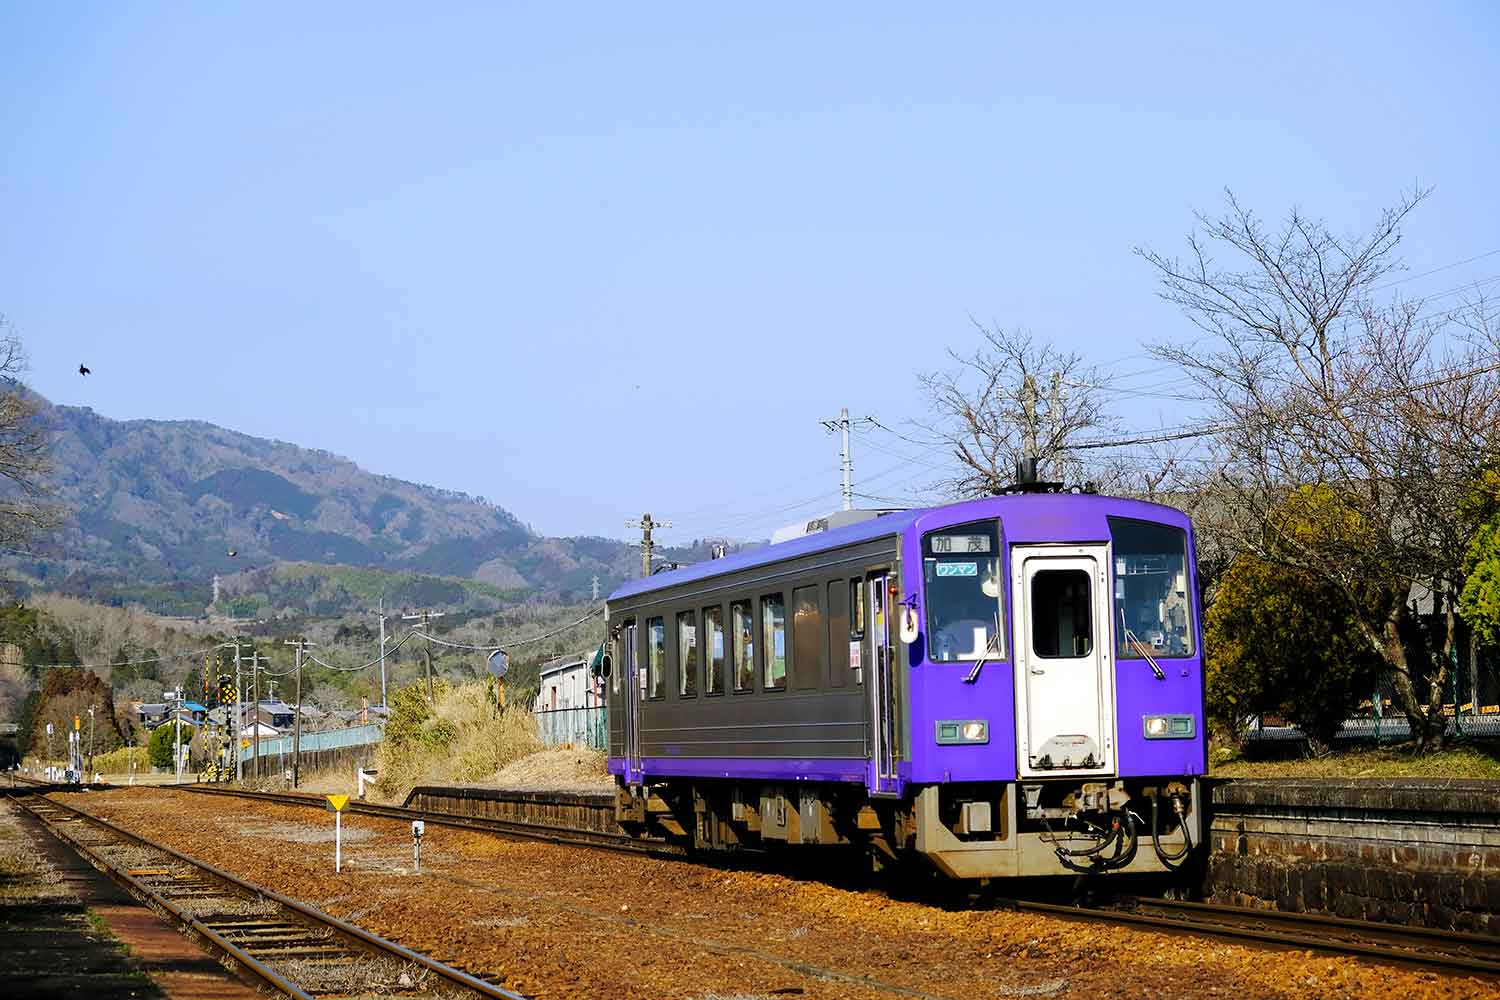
(988, 648)
(1140, 647)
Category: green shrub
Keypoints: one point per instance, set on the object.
(159, 749)
(1282, 642)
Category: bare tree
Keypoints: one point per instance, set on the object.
(1013, 398)
(1371, 419)
(24, 460)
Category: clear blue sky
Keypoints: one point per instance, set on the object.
(590, 262)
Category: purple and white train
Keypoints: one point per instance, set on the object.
(1009, 686)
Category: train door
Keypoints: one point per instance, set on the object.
(884, 686)
(1065, 705)
(635, 691)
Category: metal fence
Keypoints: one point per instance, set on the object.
(1471, 707)
(329, 739)
(579, 727)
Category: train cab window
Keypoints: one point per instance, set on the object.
(1061, 622)
(742, 629)
(773, 635)
(1153, 610)
(656, 658)
(713, 655)
(839, 661)
(807, 639)
(961, 571)
(687, 654)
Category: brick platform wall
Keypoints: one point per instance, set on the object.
(1403, 851)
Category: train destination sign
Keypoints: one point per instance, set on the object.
(954, 544)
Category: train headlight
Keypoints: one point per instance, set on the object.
(957, 731)
(1168, 727)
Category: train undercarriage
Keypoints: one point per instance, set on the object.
(975, 830)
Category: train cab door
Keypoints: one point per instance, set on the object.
(635, 693)
(1065, 692)
(884, 688)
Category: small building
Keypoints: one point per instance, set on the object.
(570, 703)
(276, 714)
(566, 682)
(150, 713)
(259, 730)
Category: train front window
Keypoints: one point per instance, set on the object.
(1153, 609)
(961, 567)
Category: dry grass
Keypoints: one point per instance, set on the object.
(571, 769)
(464, 739)
(118, 761)
(1472, 761)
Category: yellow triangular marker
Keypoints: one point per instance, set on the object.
(338, 802)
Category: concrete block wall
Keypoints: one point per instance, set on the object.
(1403, 851)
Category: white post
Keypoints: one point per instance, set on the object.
(177, 733)
(338, 840)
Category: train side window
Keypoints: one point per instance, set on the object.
(713, 650)
(742, 633)
(1061, 619)
(687, 654)
(838, 634)
(808, 638)
(773, 636)
(656, 658)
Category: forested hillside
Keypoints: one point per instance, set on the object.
(156, 508)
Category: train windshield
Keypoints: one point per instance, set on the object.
(961, 566)
(1153, 609)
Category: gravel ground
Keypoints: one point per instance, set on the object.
(556, 922)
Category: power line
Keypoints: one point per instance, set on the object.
(491, 647)
(1445, 267)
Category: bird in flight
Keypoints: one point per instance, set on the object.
(82, 370)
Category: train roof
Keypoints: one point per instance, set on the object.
(1026, 516)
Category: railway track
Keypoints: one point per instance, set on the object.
(295, 949)
(1420, 947)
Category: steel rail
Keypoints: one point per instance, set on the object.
(139, 889)
(1244, 924)
(367, 939)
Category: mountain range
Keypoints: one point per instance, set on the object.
(156, 509)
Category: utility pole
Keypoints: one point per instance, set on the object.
(255, 712)
(91, 740)
(301, 645)
(381, 613)
(846, 460)
(424, 618)
(239, 717)
(1055, 407)
(1028, 418)
(645, 524)
(177, 734)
